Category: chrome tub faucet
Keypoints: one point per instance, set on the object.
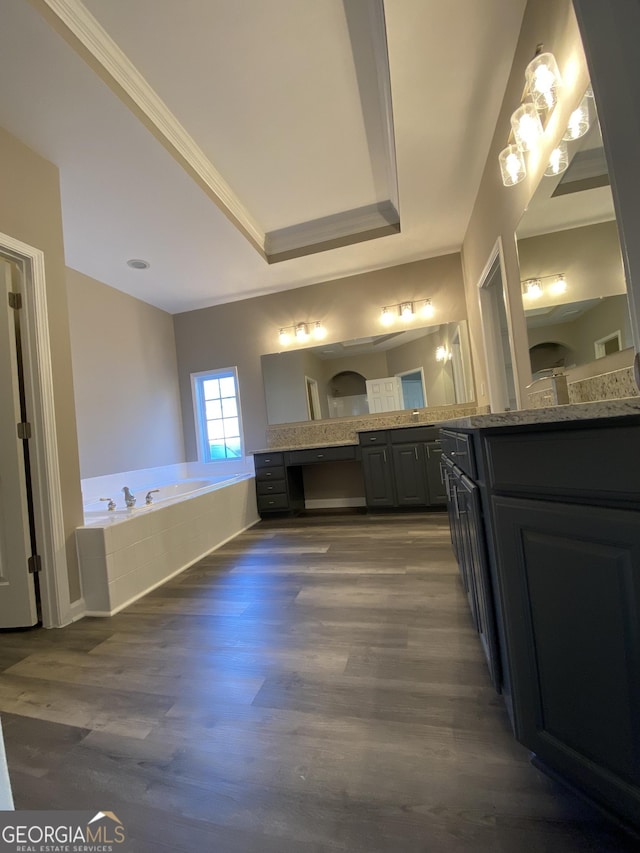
(149, 500)
(129, 499)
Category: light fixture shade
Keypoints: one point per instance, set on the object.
(406, 311)
(543, 81)
(558, 286)
(558, 160)
(301, 332)
(427, 309)
(533, 288)
(284, 337)
(442, 354)
(579, 121)
(512, 167)
(526, 126)
(319, 331)
(387, 316)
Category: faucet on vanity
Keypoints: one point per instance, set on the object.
(129, 499)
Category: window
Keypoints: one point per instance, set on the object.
(217, 412)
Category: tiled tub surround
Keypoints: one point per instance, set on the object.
(127, 553)
(332, 431)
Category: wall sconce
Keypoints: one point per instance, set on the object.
(406, 311)
(442, 354)
(301, 332)
(533, 288)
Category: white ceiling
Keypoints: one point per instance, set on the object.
(269, 91)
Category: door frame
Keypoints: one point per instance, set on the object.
(45, 467)
(496, 378)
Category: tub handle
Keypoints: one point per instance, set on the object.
(112, 503)
(149, 500)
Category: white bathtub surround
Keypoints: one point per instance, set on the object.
(124, 555)
(144, 479)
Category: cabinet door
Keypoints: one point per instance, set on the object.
(435, 481)
(480, 593)
(378, 476)
(410, 474)
(570, 581)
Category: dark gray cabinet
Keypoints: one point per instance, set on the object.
(378, 476)
(557, 508)
(401, 467)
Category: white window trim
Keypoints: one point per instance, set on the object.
(198, 411)
(599, 345)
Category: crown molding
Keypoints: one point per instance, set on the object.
(83, 32)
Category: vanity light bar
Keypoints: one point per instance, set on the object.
(406, 311)
(533, 287)
(301, 332)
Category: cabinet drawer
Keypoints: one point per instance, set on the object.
(275, 473)
(407, 435)
(321, 454)
(266, 460)
(585, 464)
(459, 447)
(271, 487)
(370, 439)
(271, 503)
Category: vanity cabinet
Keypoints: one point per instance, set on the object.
(401, 467)
(559, 515)
(277, 488)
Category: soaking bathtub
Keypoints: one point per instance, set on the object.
(125, 553)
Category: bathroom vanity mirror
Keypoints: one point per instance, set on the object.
(428, 366)
(572, 279)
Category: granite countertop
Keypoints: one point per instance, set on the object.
(551, 414)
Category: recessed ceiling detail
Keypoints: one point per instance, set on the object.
(367, 35)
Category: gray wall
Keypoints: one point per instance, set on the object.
(125, 379)
(239, 333)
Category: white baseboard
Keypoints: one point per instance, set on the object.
(333, 503)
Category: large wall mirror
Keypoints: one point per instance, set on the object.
(422, 367)
(573, 282)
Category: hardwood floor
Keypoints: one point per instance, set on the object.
(314, 685)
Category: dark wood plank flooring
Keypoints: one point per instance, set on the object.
(314, 685)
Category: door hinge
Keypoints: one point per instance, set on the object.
(24, 430)
(35, 564)
(15, 300)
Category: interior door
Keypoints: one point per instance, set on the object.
(384, 395)
(17, 587)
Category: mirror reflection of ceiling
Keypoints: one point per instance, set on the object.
(261, 128)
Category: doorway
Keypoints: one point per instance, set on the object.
(414, 395)
(498, 339)
(44, 517)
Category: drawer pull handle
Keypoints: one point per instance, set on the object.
(268, 474)
(372, 438)
(415, 450)
(267, 460)
(319, 455)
